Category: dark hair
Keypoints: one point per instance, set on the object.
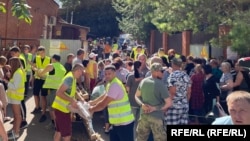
(57, 57)
(165, 61)
(130, 63)
(230, 62)
(115, 55)
(119, 60)
(183, 58)
(80, 51)
(139, 46)
(116, 65)
(137, 65)
(85, 63)
(197, 60)
(15, 64)
(207, 69)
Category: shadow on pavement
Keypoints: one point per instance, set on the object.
(36, 131)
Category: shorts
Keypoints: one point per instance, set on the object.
(13, 101)
(63, 123)
(38, 87)
(51, 97)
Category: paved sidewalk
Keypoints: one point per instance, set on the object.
(37, 132)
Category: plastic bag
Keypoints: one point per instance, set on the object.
(97, 91)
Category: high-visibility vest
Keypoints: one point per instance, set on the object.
(119, 110)
(17, 94)
(22, 58)
(61, 104)
(41, 65)
(54, 81)
(27, 60)
(177, 55)
(115, 47)
(163, 55)
(135, 57)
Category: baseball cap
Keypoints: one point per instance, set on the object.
(92, 55)
(156, 67)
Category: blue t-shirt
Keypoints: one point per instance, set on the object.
(226, 120)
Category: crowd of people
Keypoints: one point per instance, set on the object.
(143, 94)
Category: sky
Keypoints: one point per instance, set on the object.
(58, 1)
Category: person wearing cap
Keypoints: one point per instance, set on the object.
(92, 70)
(179, 85)
(54, 74)
(153, 97)
(40, 62)
(119, 110)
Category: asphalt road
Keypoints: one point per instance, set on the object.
(37, 132)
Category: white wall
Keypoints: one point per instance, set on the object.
(62, 47)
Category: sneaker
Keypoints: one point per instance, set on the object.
(13, 136)
(50, 126)
(42, 118)
(11, 122)
(36, 110)
(24, 125)
(7, 119)
(106, 131)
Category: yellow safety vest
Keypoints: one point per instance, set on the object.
(120, 110)
(115, 47)
(177, 55)
(61, 104)
(164, 55)
(17, 94)
(29, 59)
(136, 53)
(24, 67)
(41, 65)
(54, 81)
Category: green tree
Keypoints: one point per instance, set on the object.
(239, 35)
(20, 9)
(2, 7)
(197, 15)
(134, 19)
(99, 15)
(70, 5)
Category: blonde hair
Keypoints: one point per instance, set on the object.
(238, 96)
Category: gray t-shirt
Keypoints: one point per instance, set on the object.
(153, 92)
(133, 85)
(68, 82)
